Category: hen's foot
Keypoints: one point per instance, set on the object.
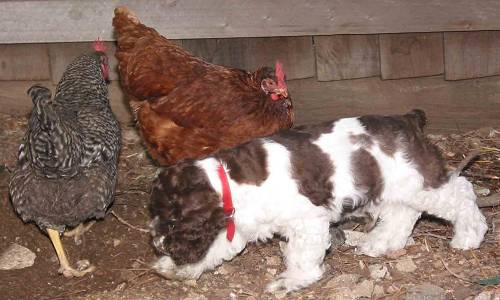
(78, 232)
(83, 267)
(65, 268)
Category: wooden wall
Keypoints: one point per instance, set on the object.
(329, 76)
(33, 21)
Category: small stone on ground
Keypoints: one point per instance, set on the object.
(379, 272)
(343, 280)
(488, 295)
(406, 265)
(353, 238)
(425, 291)
(16, 257)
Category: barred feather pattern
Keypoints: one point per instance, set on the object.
(67, 162)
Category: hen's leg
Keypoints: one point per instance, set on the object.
(78, 231)
(65, 268)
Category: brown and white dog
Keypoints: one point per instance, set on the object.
(296, 183)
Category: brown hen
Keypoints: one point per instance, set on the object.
(188, 108)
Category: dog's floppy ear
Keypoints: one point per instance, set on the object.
(187, 211)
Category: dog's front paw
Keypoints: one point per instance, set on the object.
(376, 247)
(294, 280)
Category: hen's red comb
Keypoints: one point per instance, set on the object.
(280, 75)
(99, 45)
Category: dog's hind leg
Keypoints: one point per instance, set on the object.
(455, 201)
(396, 222)
(307, 243)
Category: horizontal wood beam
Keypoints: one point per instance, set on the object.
(451, 106)
(73, 21)
(15, 100)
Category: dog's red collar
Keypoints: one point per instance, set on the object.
(227, 202)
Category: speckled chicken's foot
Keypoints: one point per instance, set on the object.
(65, 267)
(78, 231)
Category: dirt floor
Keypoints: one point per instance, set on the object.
(428, 269)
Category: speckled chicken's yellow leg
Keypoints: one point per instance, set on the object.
(78, 231)
(65, 268)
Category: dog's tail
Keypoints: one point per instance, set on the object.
(417, 118)
(465, 162)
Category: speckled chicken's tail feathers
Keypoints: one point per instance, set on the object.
(49, 145)
(41, 97)
(39, 93)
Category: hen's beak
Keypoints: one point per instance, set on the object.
(282, 92)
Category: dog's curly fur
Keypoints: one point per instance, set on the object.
(297, 182)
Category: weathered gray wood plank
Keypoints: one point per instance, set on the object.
(346, 56)
(451, 106)
(472, 54)
(296, 53)
(24, 62)
(411, 55)
(70, 21)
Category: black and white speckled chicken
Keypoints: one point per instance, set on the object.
(67, 165)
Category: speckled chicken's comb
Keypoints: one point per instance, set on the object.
(280, 75)
(99, 45)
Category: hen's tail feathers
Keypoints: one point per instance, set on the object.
(41, 97)
(127, 13)
(418, 118)
(128, 28)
